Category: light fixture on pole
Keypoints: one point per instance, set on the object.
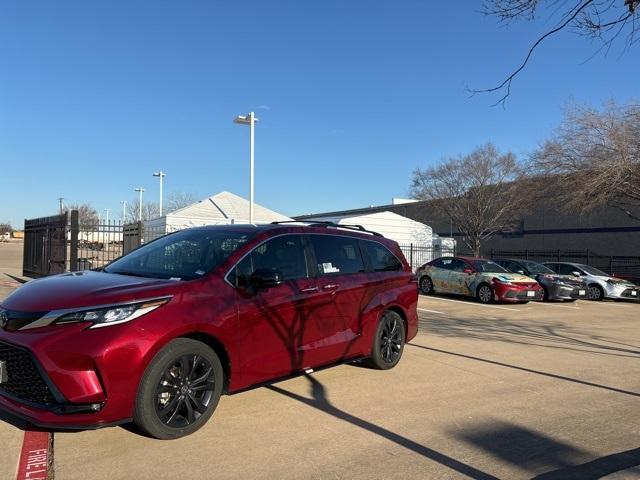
(124, 210)
(249, 119)
(160, 174)
(140, 190)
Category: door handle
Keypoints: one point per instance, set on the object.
(309, 290)
(331, 286)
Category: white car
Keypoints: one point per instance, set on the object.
(601, 285)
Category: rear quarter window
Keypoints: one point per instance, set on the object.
(381, 258)
(337, 255)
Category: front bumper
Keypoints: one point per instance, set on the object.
(517, 292)
(622, 292)
(70, 377)
(559, 291)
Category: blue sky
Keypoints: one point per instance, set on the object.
(352, 96)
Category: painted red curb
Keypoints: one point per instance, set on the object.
(34, 457)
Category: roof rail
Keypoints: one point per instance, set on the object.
(325, 224)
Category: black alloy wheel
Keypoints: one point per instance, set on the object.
(184, 391)
(179, 390)
(389, 340)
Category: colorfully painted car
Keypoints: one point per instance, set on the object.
(476, 277)
(555, 286)
(601, 285)
(158, 335)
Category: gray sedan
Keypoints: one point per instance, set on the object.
(556, 287)
(601, 285)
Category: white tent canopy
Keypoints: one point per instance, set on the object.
(222, 208)
(396, 227)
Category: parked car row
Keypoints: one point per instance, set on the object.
(520, 281)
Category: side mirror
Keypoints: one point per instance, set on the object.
(265, 278)
(576, 274)
(521, 272)
(468, 271)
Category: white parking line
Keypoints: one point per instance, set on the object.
(574, 307)
(474, 304)
(431, 311)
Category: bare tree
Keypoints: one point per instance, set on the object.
(179, 200)
(594, 158)
(87, 215)
(149, 210)
(602, 20)
(480, 192)
(5, 228)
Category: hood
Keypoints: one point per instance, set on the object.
(619, 281)
(512, 277)
(84, 289)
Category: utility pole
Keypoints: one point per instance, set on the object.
(160, 174)
(140, 190)
(249, 119)
(124, 210)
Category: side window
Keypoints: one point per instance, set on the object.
(457, 265)
(552, 266)
(337, 254)
(564, 269)
(284, 254)
(437, 263)
(446, 263)
(382, 260)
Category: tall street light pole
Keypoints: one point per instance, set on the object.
(160, 174)
(124, 210)
(60, 200)
(140, 190)
(107, 210)
(249, 119)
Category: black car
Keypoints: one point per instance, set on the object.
(555, 286)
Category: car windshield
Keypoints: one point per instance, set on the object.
(593, 271)
(185, 255)
(538, 268)
(487, 266)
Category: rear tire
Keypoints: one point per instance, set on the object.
(426, 285)
(484, 294)
(596, 292)
(179, 390)
(388, 342)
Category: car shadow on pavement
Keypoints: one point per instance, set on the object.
(548, 334)
(597, 468)
(321, 401)
(528, 370)
(536, 452)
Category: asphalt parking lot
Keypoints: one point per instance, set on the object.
(499, 391)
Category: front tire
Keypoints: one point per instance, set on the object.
(426, 285)
(596, 292)
(179, 390)
(484, 293)
(388, 343)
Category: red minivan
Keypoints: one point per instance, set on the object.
(159, 334)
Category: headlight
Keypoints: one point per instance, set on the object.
(502, 281)
(104, 316)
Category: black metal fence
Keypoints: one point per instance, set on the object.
(45, 240)
(621, 266)
(97, 244)
(419, 254)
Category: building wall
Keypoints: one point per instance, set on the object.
(605, 231)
